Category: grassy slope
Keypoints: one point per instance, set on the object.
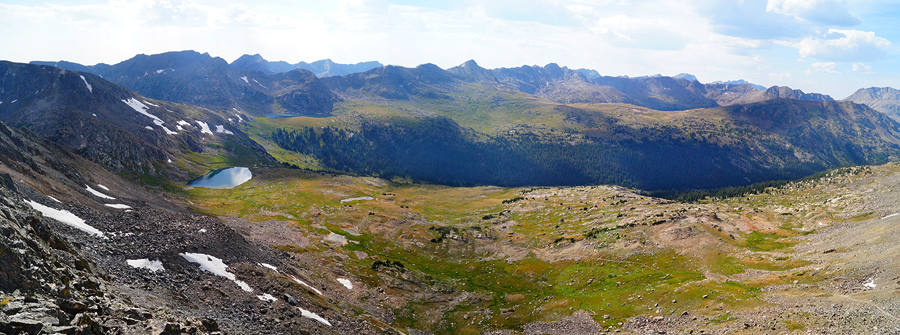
(544, 256)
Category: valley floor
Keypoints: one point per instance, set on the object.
(816, 256)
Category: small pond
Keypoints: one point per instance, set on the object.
(223, 178)
(287, 115)
(357, 199)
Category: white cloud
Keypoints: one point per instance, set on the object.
(862, 68)
(855, 45)
(779, 76)
(359, 15)
(749, 19)
(823, 12)
(639, 33)
(829, 67)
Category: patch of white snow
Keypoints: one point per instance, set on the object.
(221, 129)
(140, 108)
(118, 206)
(97, 193)
(202, 230)
(346, 283)
(892, 215)
(103, 187)
(160, 71)
(148, 127)
(245, 80)
(14, 101)
(147, 102)
(870, 283)
(54, 199)
(91, 89)
(267, 297)
(183, 123)
(313, 316)
(168, 132)
(306, 285)
(269, 266)
(215, 266)
(254, 80)
(65, 217)
(204, 128)
(144, 263)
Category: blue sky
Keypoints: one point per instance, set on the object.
(826, 46)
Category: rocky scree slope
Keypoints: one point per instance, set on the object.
(108, 257)
(115, 127)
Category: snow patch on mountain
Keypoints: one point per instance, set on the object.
(266, 297)
(215, 266)
(118, 206)
(145, 263)
(140, 108)
(221, 129)
(204, 128)
(97, 193)
(167, 130)
(313, 316)
(346, 282)
(91, 89)
(66, 217)
(306, 285)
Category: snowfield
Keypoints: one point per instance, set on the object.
(144, 263)
(98, 194)
(306, 285)
(215, 266)
(91, 89)
(266, 297)
(118, 206)
(140, 108)
(65, 217)
(204, 128)
(313, 316)
(221, 129)
(346, 283)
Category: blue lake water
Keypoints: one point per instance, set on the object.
(223, 178)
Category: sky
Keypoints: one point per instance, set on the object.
(826, 46)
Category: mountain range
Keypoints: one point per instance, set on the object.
(396, 200)
(321, 68)
(414, 104)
